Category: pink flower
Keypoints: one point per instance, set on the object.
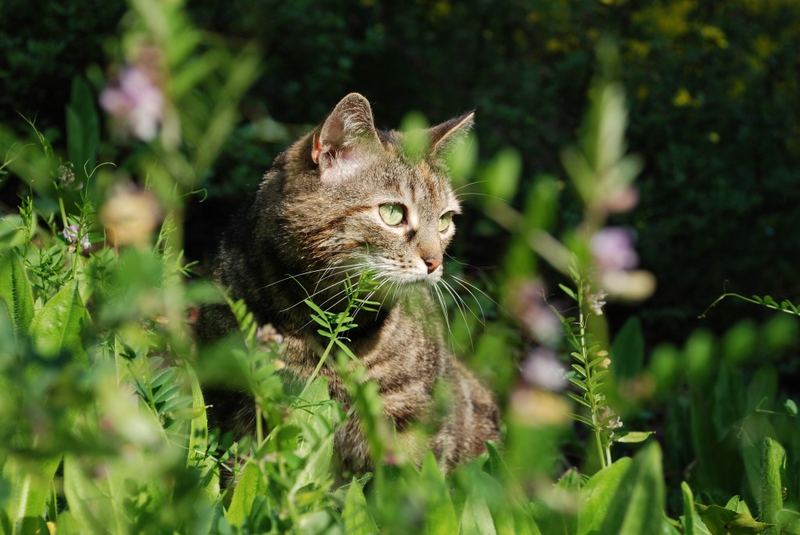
(535, 314)
(72, 234)
(621, 200)
(612, 248)
(137, 102)
(544, 370)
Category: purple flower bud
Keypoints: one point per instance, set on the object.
(613, 250)
(71, 233)
(542, 369)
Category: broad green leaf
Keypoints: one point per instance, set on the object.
(12, 232)
(198, 441)
(31, 486)
(15, 290)
(315, 413)
(440, 515)
(317, 467)
(788, 522)
(476, 519)
(692, 525)
(597, 493)
(638, 504)
(739, 505)
(722, 521)
(627, 351)
(250, 484)
(58, 325)
(357, 520)
(94, 503)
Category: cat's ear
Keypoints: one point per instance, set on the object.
(347, 139)
(445, 134)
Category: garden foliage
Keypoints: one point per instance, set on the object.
(103, 421)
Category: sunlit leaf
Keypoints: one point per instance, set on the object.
(57, 326)
(357, 520)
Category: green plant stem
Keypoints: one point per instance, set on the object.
(63, 211)
(341, 326)
(603, 450)
(259, 425)
(774, 306)
(319, 365)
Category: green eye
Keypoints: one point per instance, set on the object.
(445, 220)
(392, 213)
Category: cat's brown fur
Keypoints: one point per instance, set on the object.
(318, 208)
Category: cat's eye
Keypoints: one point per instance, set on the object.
(391, 213)
(445, 220)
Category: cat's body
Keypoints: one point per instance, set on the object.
(321, 212)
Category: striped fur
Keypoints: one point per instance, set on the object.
(316, 211)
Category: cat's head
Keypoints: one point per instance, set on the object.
(353, 196)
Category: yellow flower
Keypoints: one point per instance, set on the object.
(682, 98)
(714, 34)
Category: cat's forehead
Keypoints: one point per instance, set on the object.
(417, 183)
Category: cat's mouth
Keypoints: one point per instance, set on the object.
(403, 272)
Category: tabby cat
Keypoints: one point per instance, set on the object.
(343, 198)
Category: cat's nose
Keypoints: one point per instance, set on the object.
(432, 263)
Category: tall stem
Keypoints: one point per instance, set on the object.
(603, 449)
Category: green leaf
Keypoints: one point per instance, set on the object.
(13, 232)
(93, 502)
(692, 525)
(58, 325)
(638, 504)
(32, 486)
(739, 505)
(440, 517)
(415, 136)
(250, 484)
(198, 441)
(476, 518)
(788, 522)
(698, 358)
(357, 520)
(317, 468)
(627, 351)
(633, 437)
(567, 290)
(501, 177)
(722, 521)
(597, 494)
(15, 290)
(83, 127)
